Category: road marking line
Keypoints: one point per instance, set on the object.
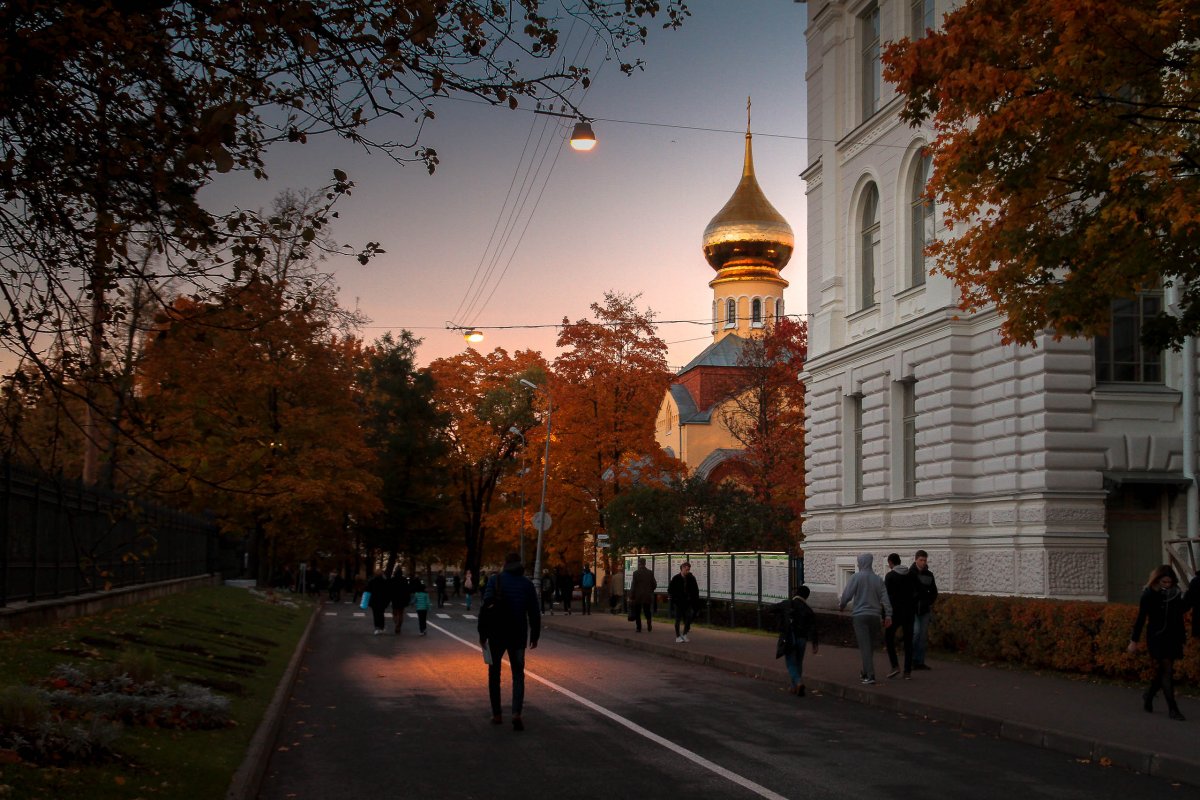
(440, 615)
(360, 613)
(695, 758)
(331, 613)
(469, 616)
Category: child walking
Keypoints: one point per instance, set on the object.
(420, 601)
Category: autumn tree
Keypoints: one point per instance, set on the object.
(404, 428)
(607, 385)
(115, 116)
(765, 414)
(1065, 157)
(482, 398)
(251, 402)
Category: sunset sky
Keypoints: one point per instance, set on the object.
(627, 216)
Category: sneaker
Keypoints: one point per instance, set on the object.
(800, 690)
(908, 676)
(517, 724)
(685, 638)
(679, 640)
(868, 681)
(497, 719)
(378, 631)
(893, 673)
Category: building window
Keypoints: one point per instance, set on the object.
(921, 211)
(756, 313)
(871, 71)
(731, 313)
(856, 448)
(714, 317)
(869, 250)
(779, 309)
(1120, 356)
(921, 18)
(908, 437)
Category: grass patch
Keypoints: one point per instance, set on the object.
(226, 639)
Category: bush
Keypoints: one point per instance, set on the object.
(1061, 635)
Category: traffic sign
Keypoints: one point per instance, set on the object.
(541, 521)
(601, 537)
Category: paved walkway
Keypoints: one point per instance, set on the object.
(1086, 720)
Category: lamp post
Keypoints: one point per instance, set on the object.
(541, 521)
(521, 522)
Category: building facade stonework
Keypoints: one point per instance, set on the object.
(1048, 471)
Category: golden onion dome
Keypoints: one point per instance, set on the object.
(748, 229)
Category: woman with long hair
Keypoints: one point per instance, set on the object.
(1161, 611)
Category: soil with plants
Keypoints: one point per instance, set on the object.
(158, 699)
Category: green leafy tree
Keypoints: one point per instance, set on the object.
(1065, 159)
(406, 431)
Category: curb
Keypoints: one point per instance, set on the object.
(249, 776)
(1148, 762)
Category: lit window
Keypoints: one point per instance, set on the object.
(921, 211)
(731, 313)
(921, 18)
(756, 313)
(869, 250)
(871, 71)
(1120, 356)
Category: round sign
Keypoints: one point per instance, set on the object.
(541, 521)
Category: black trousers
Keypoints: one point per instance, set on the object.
(642, 608)
(906, 637)
(684, 614)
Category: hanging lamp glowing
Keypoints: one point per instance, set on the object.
(583, 137)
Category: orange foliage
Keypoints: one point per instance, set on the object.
(1064, 157)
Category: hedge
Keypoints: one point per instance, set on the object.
(1062, 635)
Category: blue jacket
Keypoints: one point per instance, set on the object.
(520, 618)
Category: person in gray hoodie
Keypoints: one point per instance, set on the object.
(866, 590)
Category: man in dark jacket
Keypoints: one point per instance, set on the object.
(685, 599)
(926, 591)
(508, 618)
(641, 594)
(401, 595)
(902, 592)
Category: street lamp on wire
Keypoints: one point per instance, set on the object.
(541, 519)
(521, 523)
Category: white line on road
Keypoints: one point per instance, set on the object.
(695, 758)
(440, 615)
(360, 613)
(331, 613)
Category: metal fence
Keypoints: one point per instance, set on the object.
(60, 538)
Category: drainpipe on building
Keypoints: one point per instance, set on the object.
(1189, 438)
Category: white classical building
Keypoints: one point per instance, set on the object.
(1050, 471)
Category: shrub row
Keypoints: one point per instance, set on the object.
(1067, 636)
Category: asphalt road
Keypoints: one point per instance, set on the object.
(408, 717)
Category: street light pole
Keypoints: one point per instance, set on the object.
(537, 556)
(521, 522)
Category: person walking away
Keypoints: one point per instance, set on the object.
(641, 595)
(456, 581)
(685, 599)
(566, 588)
(587, 584)
(902, 592)
(380, 597)
(401, 595)
(468, 587)
(439, 584)
(927, 592)
(1160, 611)
(865, 589)
(547, 592)
(509, 617)
(420, 601)
(798, 627)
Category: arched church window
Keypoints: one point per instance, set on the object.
(756, 313)
(731, 313)
(779, 308)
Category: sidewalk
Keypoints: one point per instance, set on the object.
(1082, 719)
